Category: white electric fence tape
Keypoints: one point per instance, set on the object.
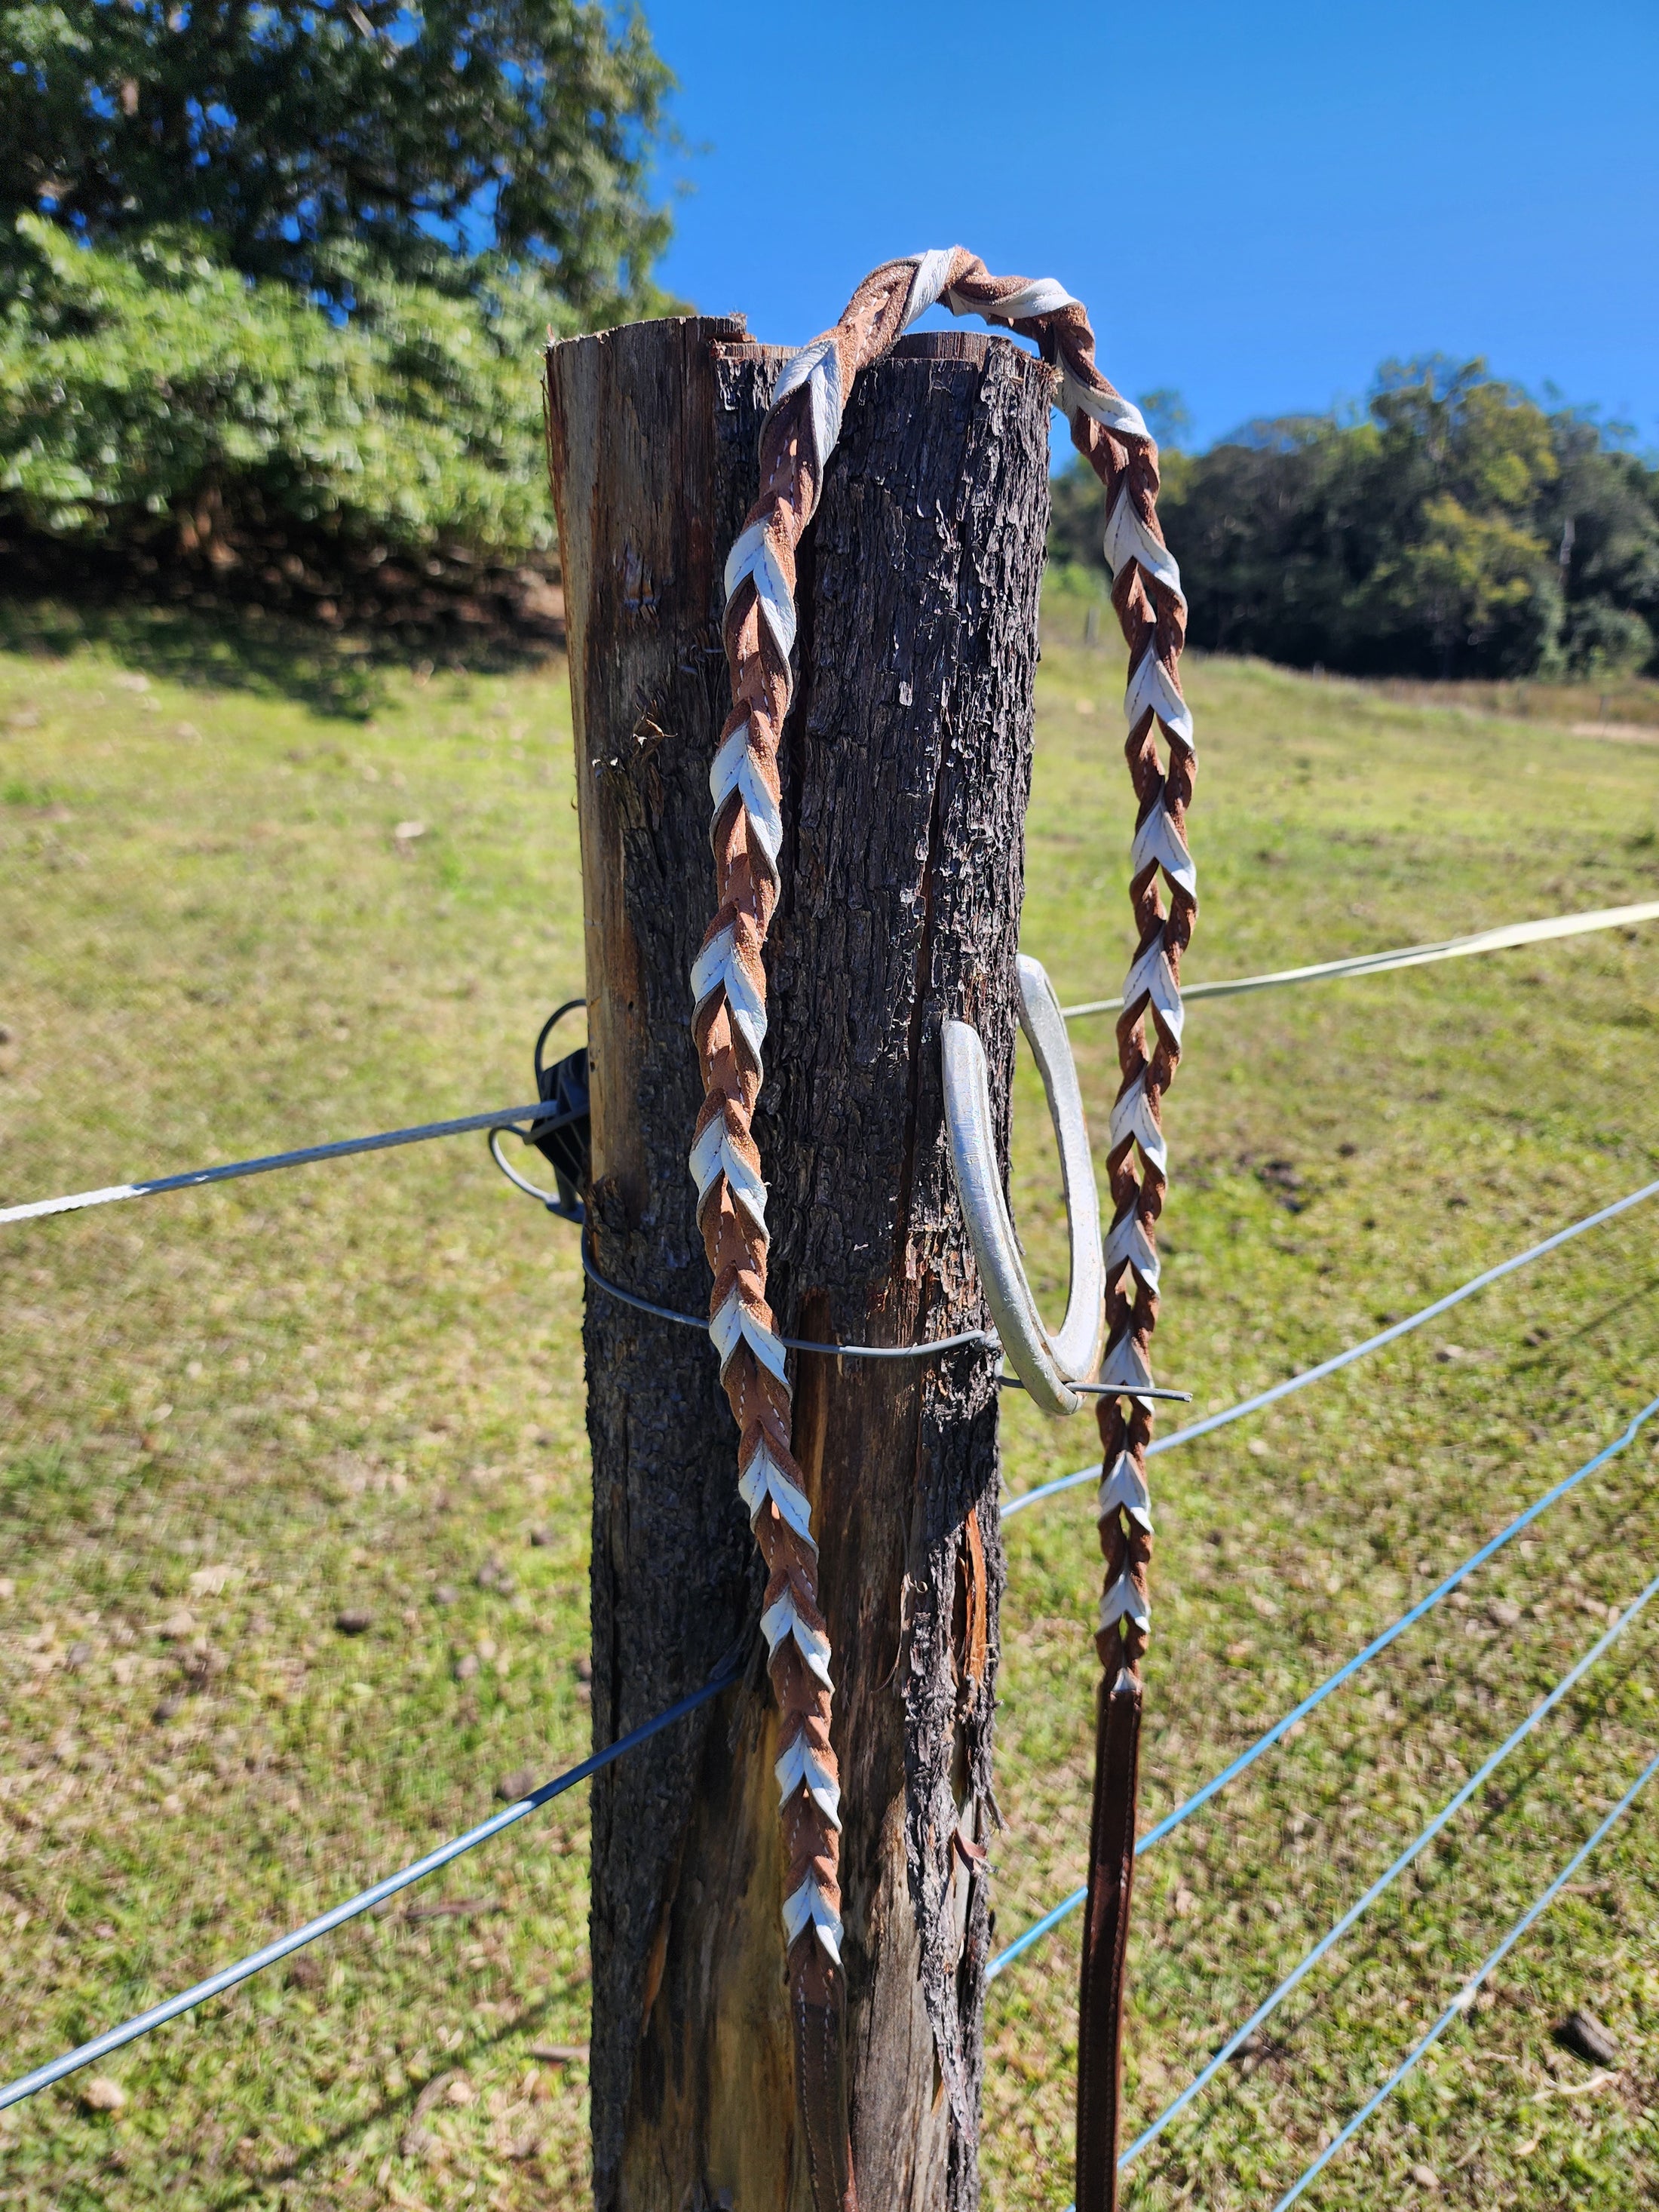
(1152, 841)
(1502, 940)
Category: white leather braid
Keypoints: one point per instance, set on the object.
(763, 1481)
(1127, 1245)
(809, 1907)
(1126, 1367)
(1128, 538)
(800, 1768)
(932, 273)
(1109, 408)
(735, 1322)
(1152, 978)
(784, 1619)
(720, 1150)
(720, 971)
(1131, 1116)
(1159, 840)
(817, 366)
(1024, 303)
(1124, 1490)
(734, 771)
(1151, 689)
(1123, 1601)
(754, 557)
(729, 1025)
(1111, 432)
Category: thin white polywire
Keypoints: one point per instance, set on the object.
(1193, 1430)
(1501, 939)
(36, 1209)
(1414, 1850)
(1247, 1759)
(1461, 2003)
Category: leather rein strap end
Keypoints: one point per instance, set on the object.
(1105, 1941)
(817, 2010)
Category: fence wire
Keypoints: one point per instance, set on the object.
(1484, 941)
(1246, 1759)
(1464, 2001)
(233, 1171)
(1413, 1850)
(1364, 964)
(29, 2085)
(1229, 1414)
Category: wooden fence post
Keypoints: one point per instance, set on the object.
(905, 766)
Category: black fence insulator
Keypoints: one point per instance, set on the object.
(563, 1133)
(564, 1137)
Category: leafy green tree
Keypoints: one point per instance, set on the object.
(1603, 522)
(1462, 574)
(273, 272)
(152, 393)
(1455, 529)
(301, 138)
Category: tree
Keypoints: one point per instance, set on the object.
(1464, 575)
(155, 394)
(273, 277)
(1603, 519)
(1457, 528)
(300, 139)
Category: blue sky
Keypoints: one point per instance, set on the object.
(1258, 203)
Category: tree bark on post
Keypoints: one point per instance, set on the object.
(905, 766)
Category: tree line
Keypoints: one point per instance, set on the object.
(273, 281)
(1457, 528)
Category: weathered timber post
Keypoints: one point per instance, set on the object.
(905, 769)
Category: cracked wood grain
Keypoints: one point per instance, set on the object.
(905, 769)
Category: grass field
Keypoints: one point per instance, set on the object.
(232, 1416)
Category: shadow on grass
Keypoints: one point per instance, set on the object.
(340, 674)
(299, 2164)
(1552, 1353)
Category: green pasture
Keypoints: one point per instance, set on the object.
(252, 897)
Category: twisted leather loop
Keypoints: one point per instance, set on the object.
(728, 984)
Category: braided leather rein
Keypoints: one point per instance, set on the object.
(728, 983)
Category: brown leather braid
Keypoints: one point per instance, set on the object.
(1155, 623)
(736, 1241)
(729, 986)
(1152, 613)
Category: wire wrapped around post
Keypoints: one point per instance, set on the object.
(729, 1023)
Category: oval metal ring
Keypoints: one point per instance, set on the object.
(1047, 1365)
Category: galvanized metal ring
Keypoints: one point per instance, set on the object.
(1049, 1366)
